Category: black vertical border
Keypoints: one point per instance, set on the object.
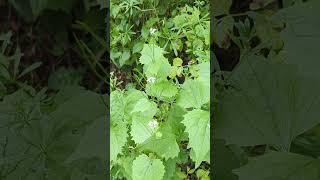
(108, 91)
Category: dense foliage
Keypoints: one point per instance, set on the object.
(160, 117)
(267, 92)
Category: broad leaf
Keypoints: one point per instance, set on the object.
(222, 30)
(280, 166)
(23, 8)
(118, 138)
(142, 116)
(175, 116)
(163, 90)
(204, 73)
(302, 35)
(170, 168)
(93, 142)
(266, 104)
(58, 132)
(145, 168)
(155, 64)
(194, 93)
(141, 129)
(221, 7)
(146, 107)
(66, 125)
(87, 168)
(37, 6)
(197, 124)
(226, 158)
(126, 163)
(163, 142)
(131, 98)
(117, 107)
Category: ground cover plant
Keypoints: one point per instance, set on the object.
(160, 90)
(52, 90)
(266, 81)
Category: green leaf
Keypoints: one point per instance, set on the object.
(287, 3)
(163, 143)
(197, 124)
(12, 146)
(146, 107)
(64, 77)
(93, 145)
(255, 5)
(155, 64)
(269, 104)
(16, 105)
(145, 168)
(132, 96)
(194, 93)
(141, 129)
(37, 6)
(226, 158)
(117, 107)
(23, 8)
(66, 126)
(118, 138)
(59, 132)
(126, 164)
(170, 169)
(30, 10)
(142, 116)
(151, 53)
(301, 39)
(125, 56)
(30, 68)
(137, 47)
(221, 36)
(6, 40)
(175, 116)
(204, 73)
(264, 27)
(308, 143)
(221, 7)
(163, 90)
(87, 168)
(16, 58)
(85, 172)
(280, 166)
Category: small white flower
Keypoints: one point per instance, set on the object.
(152, 30)
(151, 79)
(153, 124)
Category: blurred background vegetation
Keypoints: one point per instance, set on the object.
(55, 43)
